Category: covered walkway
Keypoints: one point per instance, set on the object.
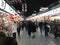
(40, 39)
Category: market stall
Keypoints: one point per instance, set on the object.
(47, 15)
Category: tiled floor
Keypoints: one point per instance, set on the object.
(40, 39)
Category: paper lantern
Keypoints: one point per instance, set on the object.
(10, 16)
(49, 17)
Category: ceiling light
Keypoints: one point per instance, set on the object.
(43, 8)
(18, 11)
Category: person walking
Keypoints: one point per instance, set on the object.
(41, 26)
(33, 29)
(46, 27)
(18, 28)
(29, 28)
(14, 29)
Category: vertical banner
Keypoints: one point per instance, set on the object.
(25, 7)
(22, 7)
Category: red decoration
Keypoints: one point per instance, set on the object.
(49, 17)
(10, 16)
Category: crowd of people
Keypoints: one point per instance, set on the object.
(14, 27)
(46, 26)
(32, 26)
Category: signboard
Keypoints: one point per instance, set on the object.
(6, 7)
(9, 9)
(51, 13)
(2, 4)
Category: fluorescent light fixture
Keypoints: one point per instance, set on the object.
(43, 8)
(18, 11)
(33, 14)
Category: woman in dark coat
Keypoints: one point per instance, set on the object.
(41, 26)
(46, 28)
(18, 28)
(31, 28)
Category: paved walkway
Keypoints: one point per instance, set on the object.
(40, 39)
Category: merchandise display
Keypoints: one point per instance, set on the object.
(6, 20)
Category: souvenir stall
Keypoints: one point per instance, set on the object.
(3, 21)
(6, 16)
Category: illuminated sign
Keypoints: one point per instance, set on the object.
(2, 4)
(9, 9)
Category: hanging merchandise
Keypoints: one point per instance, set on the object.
(0, 25)
(1, 21)
(49, 17)
(10, 16)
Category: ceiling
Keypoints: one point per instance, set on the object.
(32, 5)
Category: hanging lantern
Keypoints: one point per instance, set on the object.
(10, 16)
(49, 17)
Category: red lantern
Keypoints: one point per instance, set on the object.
(10, 16)
(49, 17)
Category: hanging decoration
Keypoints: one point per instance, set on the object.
(49, 17)
(10, 16)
